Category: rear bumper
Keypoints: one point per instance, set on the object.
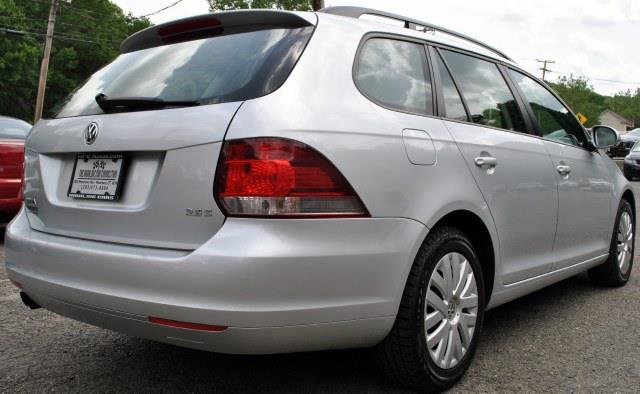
(279, 285)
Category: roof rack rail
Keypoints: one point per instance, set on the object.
(409, 23)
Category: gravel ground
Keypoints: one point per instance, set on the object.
(570, 337)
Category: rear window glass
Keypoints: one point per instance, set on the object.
(395, 74)
(220, 69)
(453, 106)
(13, 128)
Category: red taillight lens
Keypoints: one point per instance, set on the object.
(187, 325)
(275, 177)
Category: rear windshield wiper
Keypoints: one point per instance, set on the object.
(116, 104)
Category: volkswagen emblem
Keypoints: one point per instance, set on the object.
(91, 133)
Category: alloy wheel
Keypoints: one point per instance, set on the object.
(451, 310)
(625, 242)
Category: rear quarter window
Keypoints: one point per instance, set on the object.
(395, 74)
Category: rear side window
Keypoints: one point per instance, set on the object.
(485, 91)
(454, 109)
(226, 68)
(555, 121)
(395, 74)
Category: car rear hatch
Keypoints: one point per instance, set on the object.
(131, 155)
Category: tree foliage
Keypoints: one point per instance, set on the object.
(581, 97)
(292, 5)
(87, 35)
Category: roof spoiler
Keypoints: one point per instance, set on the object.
(210, 25)
(409, 23)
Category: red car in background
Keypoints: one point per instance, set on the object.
(12, 134)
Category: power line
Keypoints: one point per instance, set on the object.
(61, 35)
(16, 19)
(79, 10)
(598, 79)
(589, 78)
(10, 30)
(161, 9)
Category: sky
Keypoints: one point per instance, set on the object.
(593, 38)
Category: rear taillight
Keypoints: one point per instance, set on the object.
(275, 177)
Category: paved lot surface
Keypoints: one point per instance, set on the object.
(571, 337)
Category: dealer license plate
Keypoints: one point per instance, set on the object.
(97, 176)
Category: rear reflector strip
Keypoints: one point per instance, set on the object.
(187, 325)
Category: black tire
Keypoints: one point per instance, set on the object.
(609, 273)
(403, 356)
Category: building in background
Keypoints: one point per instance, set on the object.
(615, 120)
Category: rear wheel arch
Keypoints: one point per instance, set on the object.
(475, 228)
(630, 198)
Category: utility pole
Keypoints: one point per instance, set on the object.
(318, 5)
(44, 66)
(544, 67)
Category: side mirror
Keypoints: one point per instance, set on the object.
(604, 137)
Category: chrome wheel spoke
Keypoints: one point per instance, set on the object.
(458, 351)
(448, 276)
(469, 302)
(466, 324)
(436, 337)
(436, 302)
(439, 282)
(432, 319)
(448, 354)
(457, 271)
(463, 280)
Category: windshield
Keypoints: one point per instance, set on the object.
(220, 69)
(13, 128)
(636, 147)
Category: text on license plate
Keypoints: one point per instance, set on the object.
(97, 176)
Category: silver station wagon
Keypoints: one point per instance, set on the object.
(264, 181)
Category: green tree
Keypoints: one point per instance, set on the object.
(581, 97)
(293, 5)
(87, 36)
(626, 104)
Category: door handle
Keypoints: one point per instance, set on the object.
(563, 169)
(486, 161)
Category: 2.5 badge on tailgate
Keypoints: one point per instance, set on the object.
(97, 176)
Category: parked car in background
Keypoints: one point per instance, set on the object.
(627, 141)
(12, 135)
(632, 162)
(265, 181)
